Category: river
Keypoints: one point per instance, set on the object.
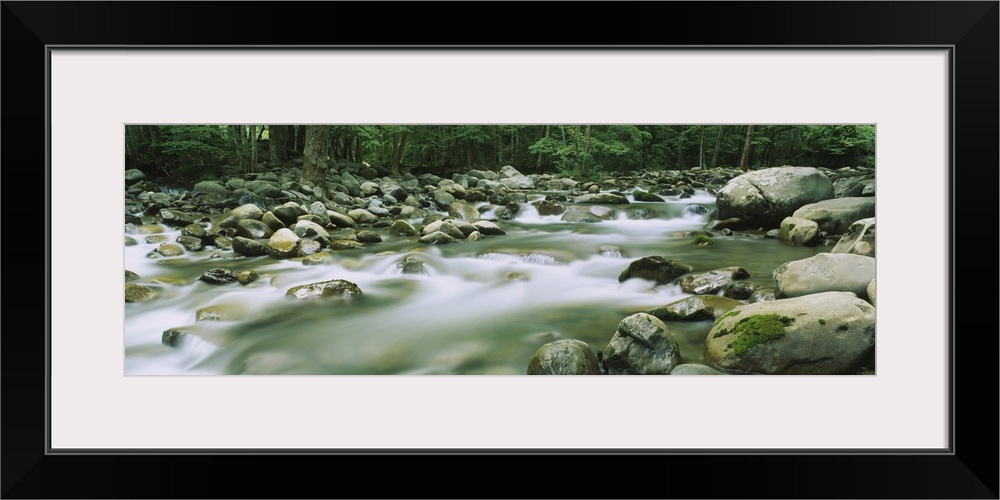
(476, 308)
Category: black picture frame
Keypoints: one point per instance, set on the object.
(970, 28)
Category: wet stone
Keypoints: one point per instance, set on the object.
(218, 276)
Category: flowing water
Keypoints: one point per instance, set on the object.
(476, 308)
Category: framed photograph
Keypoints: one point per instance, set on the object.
(102, 383)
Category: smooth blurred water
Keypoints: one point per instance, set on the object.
(478, 308)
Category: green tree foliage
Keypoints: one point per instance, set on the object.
(585, 150)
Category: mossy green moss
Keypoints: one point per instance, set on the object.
(755, 330)
(702, 241)
(724, 316)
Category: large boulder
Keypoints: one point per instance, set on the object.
(825, 272)
(821, 334)
(564, 357)
(642, 345)
(836, 215)
(510, 177)
(765, 197)
(859, 238)
(134, 175)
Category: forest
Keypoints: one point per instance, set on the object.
(588, 152)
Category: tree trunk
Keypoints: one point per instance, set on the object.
(718, 145)
(315, 153)
(745, 155)
(539, 169)
(398, 148)
(586, 150)
(277, 144)
(701, 149)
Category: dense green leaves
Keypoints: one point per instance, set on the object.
(577, 149)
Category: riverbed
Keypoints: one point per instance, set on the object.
(464, 308)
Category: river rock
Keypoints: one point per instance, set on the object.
(253, 229)
(249, 247)
(825, 272)
(288, 213)
(697, 308)
(411, 265)
(283, 244)
(246, 277)
(602, 198)
(402, 228)
(871, 292)
(193, 230)
(646, 196)
(511, 178)
(820, 334)
(762, 295)
(564, 357)
(306, 228)
(170, 250)
(341, 221)
(463, 210)
(130, 276)
(334, 289)
(739, 290)
(190, 243)
(361, 216)
(175, 218)
(272, 221)
(307, 246)
(218, 276)
(488, 228)
(580, 214)
(345, 244)
(859, 238)
(849, 187)
(549, 207)
(220, 312)
(710, 282)
(264, 188)
(133, 176)
(642, 345)
(765, 197)
(836, 215)
(137, 293)
(694, 369)
(799, 232)
(654, 268)
(483, 174)
(437, 238)
(368, 236)
(205, 187)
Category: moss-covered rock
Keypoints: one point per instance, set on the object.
(694, 369)
(137, 293)
(697, 308)
(820, 334)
